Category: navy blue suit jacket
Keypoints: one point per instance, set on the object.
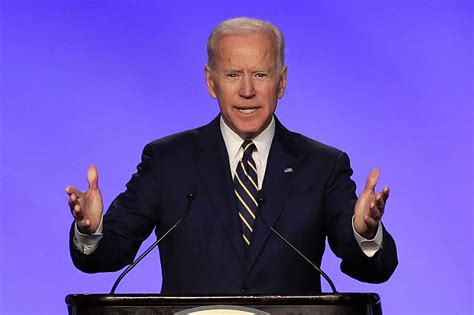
(206, 254)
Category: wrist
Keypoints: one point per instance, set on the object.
(369, 234)
(363, 229)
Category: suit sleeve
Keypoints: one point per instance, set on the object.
(129, 220)
(340, 199)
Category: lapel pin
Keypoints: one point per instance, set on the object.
(288, 170)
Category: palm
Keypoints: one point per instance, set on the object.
(361, 210)
(87, 206)
(370, 207)
(92, 207)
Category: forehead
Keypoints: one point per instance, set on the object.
(251, 49)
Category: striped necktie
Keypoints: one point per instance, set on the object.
(245, 189)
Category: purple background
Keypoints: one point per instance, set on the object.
(389, 82)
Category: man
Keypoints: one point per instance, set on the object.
(222, 245)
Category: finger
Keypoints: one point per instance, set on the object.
(375, 212)
(380, 201)
(73, 197)
(93, 177)
(77, 213)
(72, 201)
(372, 180)
(72, 190)
(385, 193)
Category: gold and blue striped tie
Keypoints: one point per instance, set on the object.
(245, 189)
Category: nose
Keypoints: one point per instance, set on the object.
(247, 87)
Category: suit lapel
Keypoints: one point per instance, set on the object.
(279, 180)
(212, 162)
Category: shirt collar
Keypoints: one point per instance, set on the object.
(262, 141)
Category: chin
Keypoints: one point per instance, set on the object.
(251, 129)
(249, 133)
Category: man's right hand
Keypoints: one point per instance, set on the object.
(86, 207)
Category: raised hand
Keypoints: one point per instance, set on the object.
(86, 207)
(370, 206)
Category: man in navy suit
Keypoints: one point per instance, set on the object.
(308, 191)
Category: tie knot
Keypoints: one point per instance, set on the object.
(248, 147)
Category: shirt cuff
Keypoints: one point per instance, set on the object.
(369, 247)
(87, 243)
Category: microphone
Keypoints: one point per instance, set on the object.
(191, 196)
(261, 202)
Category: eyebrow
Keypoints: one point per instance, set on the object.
(254, 71)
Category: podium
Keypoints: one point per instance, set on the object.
(148, 304)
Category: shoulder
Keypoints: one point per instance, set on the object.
(183, 143)
(177, 140)
(318, 154)
(304, 146)
(311, 146)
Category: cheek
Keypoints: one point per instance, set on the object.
(224, 100)
(227, 93)
(271, 95)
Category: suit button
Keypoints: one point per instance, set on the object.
(243, 290)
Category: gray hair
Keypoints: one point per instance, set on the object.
(243, 25)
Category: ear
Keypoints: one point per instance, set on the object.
(211, 88)
(282, 82)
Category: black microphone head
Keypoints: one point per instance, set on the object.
(192, 192)
(260, 198)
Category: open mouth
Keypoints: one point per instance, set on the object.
(247, 110)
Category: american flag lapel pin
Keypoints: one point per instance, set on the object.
(288, 170)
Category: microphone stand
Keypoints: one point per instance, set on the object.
(261, 201)
(191, 197)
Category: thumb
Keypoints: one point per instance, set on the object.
(93, 177)
(372, 179)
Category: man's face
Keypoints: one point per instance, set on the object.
(246, 81)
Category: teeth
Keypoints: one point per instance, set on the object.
(247, 111)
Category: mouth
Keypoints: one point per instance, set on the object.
(247, 110)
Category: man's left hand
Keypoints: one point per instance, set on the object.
(370, 207)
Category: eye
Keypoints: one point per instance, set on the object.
(261, 75)
(232, 75)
